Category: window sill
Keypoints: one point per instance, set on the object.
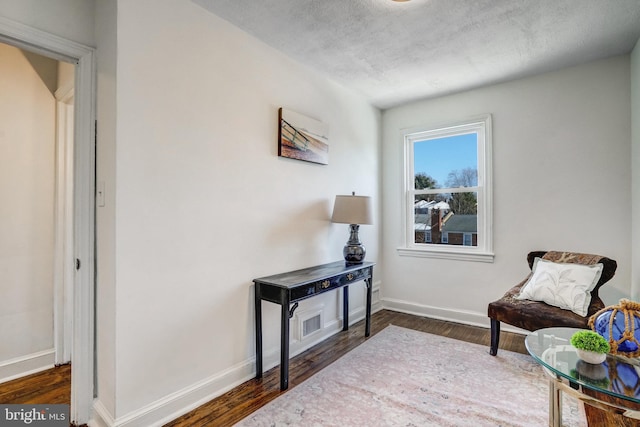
(448, 253)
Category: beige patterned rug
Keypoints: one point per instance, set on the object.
(402, 377)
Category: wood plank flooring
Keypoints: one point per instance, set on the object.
(53, 386)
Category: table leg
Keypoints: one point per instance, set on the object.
(555, 404)
(367, 328)
(284, 346)
(345, 308)
(258, 321)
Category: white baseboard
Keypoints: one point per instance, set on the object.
(100, 416)
(451, 315)
(179, 403)
(376, 304)
(26, 365)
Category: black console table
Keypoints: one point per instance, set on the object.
(289, 288)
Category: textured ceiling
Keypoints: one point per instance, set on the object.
(396, 52)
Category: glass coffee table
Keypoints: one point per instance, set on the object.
(613, 385)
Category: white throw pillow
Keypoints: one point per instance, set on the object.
(563, 285)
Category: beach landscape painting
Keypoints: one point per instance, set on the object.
(302, 138)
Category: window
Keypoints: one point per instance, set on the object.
(448, 191)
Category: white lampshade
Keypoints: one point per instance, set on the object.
(352, 210)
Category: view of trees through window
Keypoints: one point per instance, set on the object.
(445, 190)
(460, 203)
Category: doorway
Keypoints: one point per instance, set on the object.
(83, 218)
(36, 166)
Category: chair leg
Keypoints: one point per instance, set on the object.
(495, 336)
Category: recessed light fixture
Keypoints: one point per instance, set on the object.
(400, 1)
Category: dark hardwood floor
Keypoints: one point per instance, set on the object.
(53, 386)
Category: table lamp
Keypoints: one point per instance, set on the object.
(353, 210)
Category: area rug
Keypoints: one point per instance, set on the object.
(402, 377)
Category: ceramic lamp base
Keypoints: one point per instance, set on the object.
(353, 251)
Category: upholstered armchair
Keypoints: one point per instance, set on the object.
(533, 315)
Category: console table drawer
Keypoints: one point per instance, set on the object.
(342, 280)
(302, 292)
(308, 290)
(336, 282)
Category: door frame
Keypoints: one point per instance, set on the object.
(63, 219)
(83, 330)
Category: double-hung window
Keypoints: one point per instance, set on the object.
(448, 201)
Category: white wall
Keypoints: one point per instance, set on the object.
(66, 75)
(71, 19)
(27, 142)
(106, 26)
(203, 204)
(562, 181)
(635, 167)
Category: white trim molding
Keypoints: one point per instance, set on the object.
(458, 316)
(26, 365)
(63, 253)
(470, 318)
(447, 253)
(179, 403)
(82, 350)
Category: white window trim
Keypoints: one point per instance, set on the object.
(484, 251)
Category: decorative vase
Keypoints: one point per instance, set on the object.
(620, 325)
(591, 356)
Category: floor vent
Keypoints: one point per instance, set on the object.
(310, 325)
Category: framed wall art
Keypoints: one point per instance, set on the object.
(302, 138)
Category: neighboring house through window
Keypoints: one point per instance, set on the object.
(448, 200)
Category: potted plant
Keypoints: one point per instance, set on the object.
(591, 346)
